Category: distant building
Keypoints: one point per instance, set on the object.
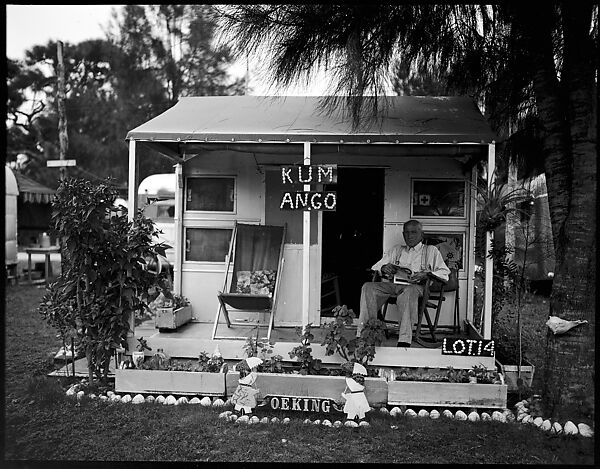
(34, 206)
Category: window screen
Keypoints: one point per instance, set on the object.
(207, 244)
(210, 194)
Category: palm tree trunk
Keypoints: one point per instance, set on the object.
(567, 111)
(570, 357)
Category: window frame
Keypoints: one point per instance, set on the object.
(211, 176)
(185, 259)
(438, 217)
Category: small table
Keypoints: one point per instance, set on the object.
(39, 250)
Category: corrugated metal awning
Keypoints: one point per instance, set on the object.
(405, 119)
(33, 191)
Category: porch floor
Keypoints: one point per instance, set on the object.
(197, 330)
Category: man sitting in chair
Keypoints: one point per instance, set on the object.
(406, 267)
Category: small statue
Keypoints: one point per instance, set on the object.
(244, 397)
(356, 401)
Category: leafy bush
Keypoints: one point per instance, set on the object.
(104, 279)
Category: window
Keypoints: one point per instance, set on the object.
(438, 198)
(210, 194)
(207, 244)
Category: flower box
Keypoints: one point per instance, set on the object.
(173, 382)
(511, 374)
(316, 386)
(426, 393)
(171, 319)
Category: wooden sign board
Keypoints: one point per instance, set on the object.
(468, 347)
(309, 174)
(60, 163)
(303, 404)
(309, 201)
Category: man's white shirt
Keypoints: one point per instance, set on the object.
(415, 259)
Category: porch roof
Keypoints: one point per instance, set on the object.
(404, 119)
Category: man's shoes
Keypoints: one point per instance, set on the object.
(403, 344)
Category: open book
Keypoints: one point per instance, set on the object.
(402, 276)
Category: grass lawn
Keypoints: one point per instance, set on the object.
(41, 423)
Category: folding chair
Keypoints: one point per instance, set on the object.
(434, 294)
(256, 253)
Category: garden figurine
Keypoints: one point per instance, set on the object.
(356, 401)
(244, 397)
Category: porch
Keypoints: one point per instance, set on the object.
(190, 339)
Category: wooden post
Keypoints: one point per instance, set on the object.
(63, 137)
(306, 250)
(178, 226)
(489, 263)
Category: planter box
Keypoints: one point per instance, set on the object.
(168, 318)
(173, 382)
(221, 384)
(511, 374)
(331, 387)
(423, 393)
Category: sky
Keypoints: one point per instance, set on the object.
(29, 25)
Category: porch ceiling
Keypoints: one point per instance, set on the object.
(258, 119)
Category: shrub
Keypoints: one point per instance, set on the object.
(104, 279)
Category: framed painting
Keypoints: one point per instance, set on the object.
(438, 198)
(450, 245)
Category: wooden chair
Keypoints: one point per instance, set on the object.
(434, 294)
(253, 250)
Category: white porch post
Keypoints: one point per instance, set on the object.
(178, 222)
(306, 250)
(132, 205)
(132, 200)
(489, 263)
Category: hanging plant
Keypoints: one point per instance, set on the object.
(497, 202)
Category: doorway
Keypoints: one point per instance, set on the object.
(352, 236)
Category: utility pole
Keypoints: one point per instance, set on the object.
(63, 137)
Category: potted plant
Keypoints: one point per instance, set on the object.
(137, 356)
(172, 311)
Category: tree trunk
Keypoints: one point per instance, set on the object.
(567, 111)
(570, 357)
